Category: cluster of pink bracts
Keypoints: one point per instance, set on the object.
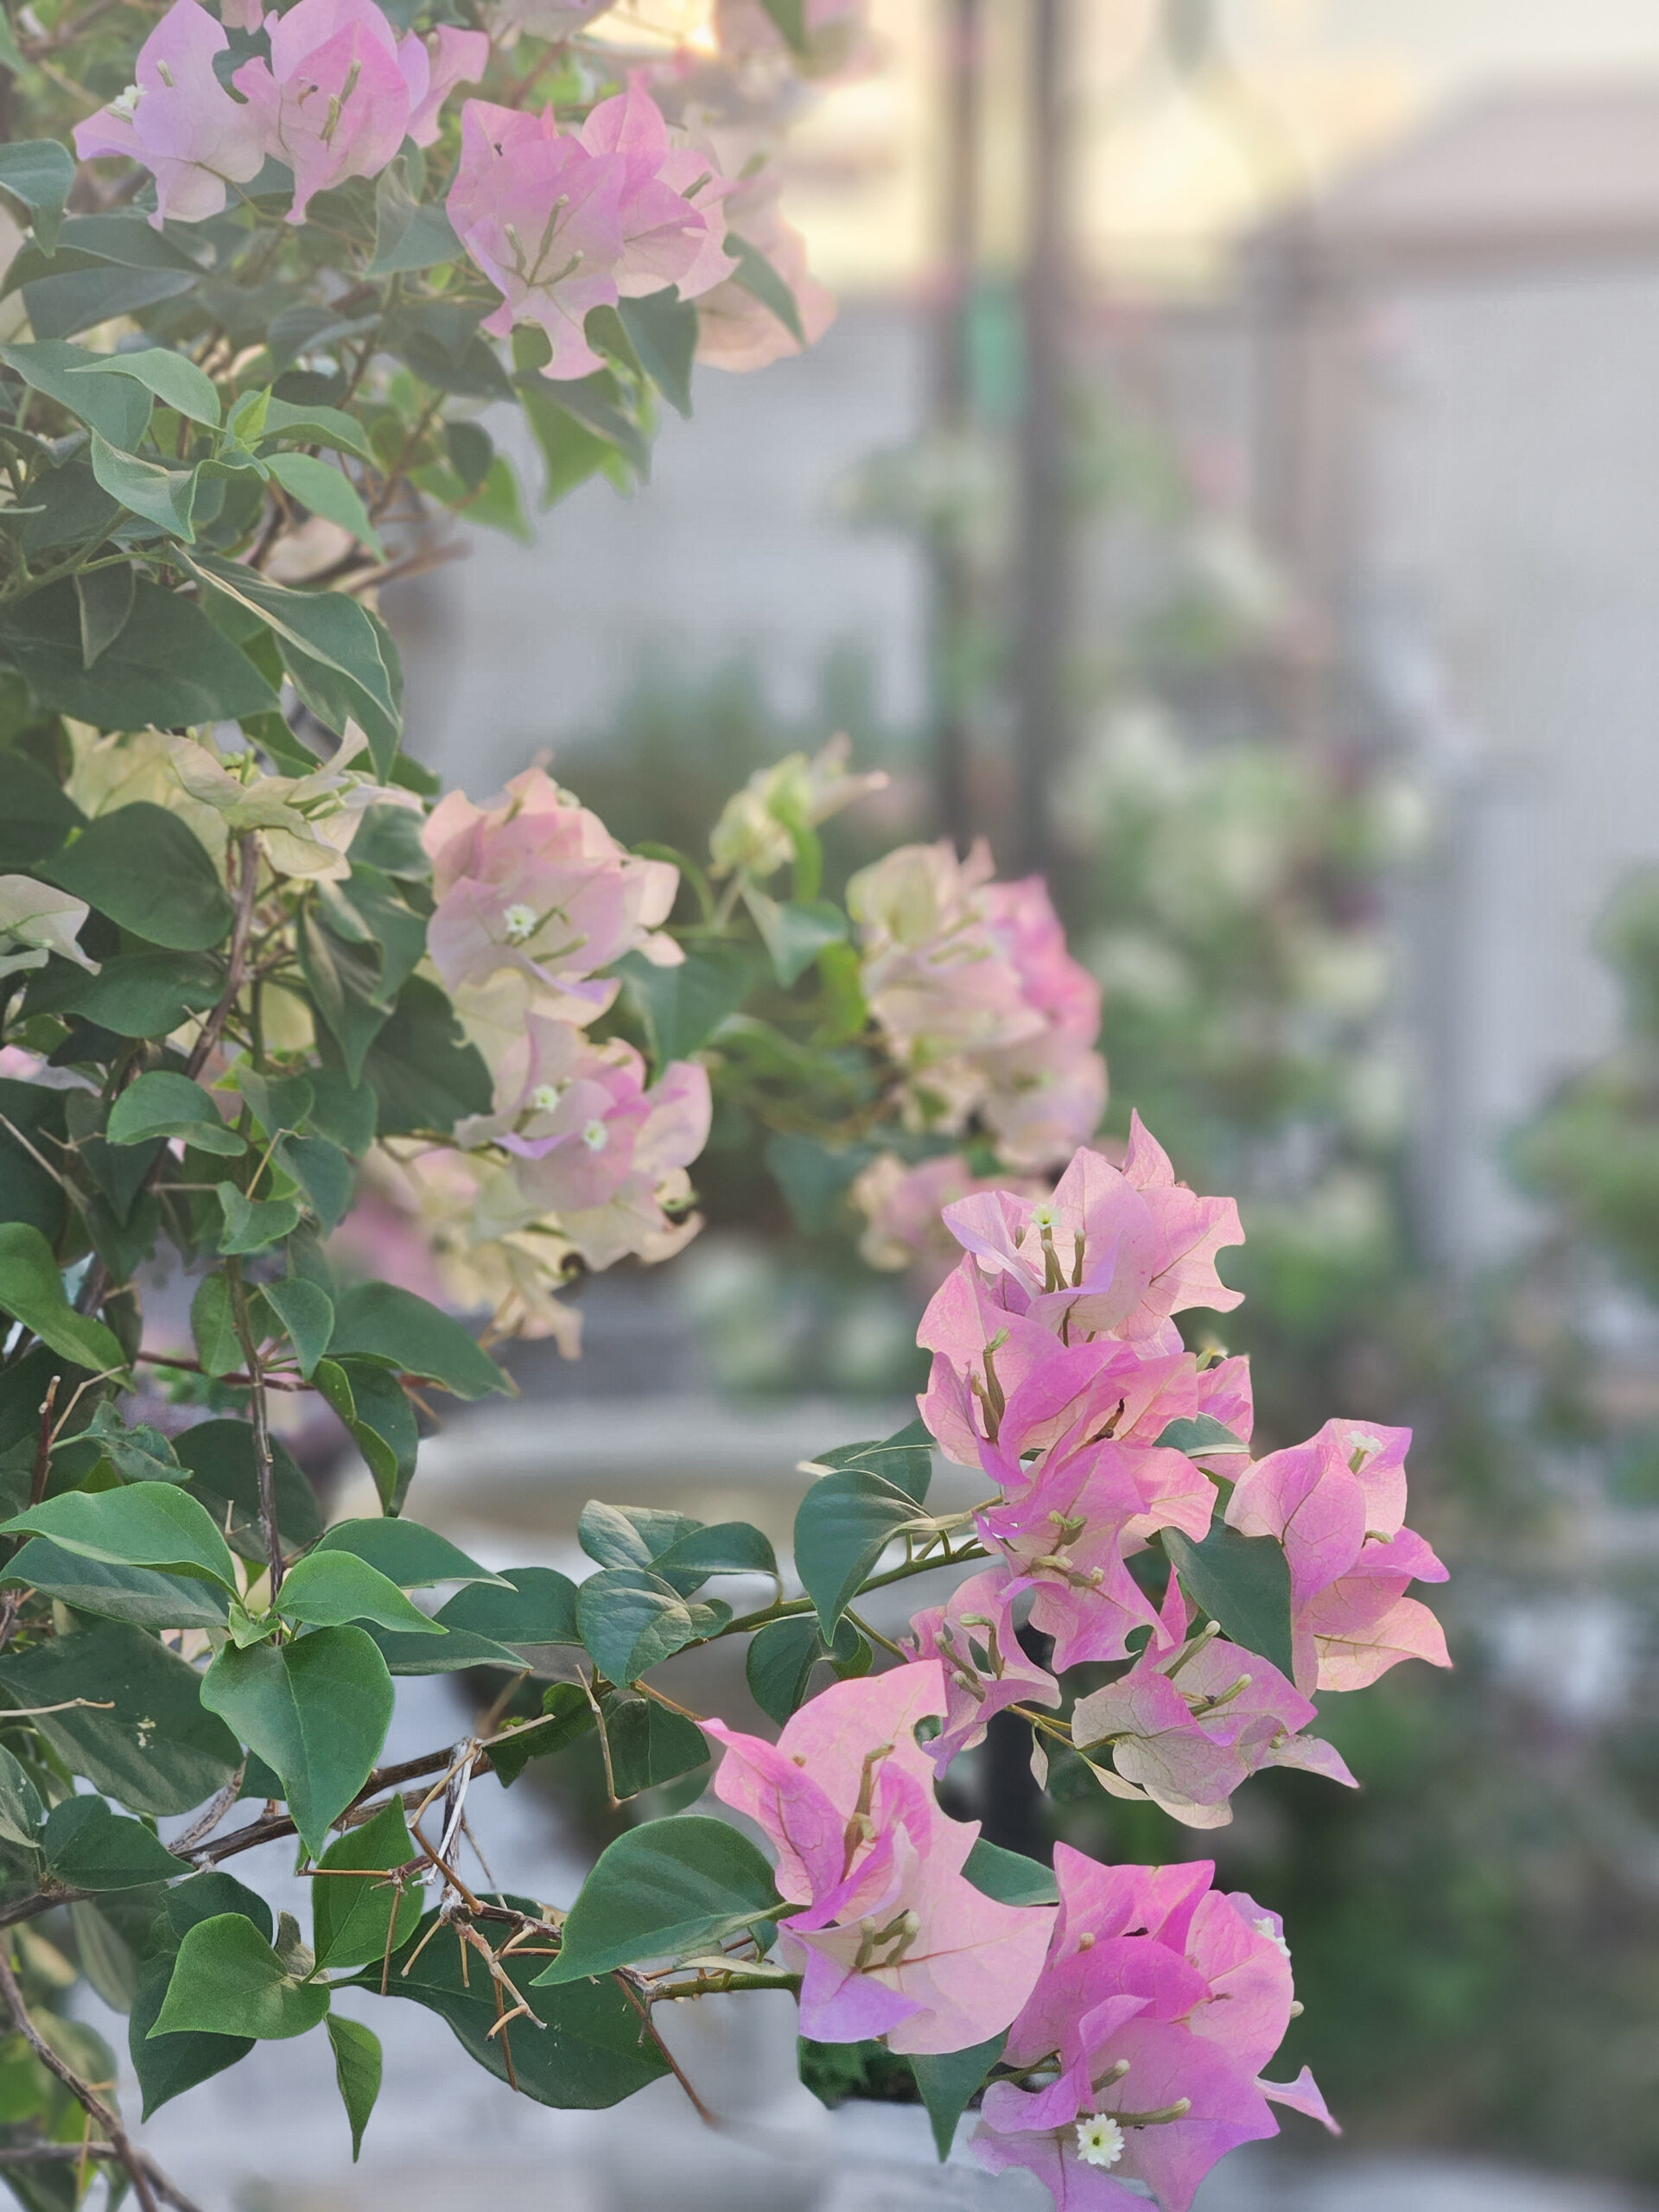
(560, 221)
(1140, 2013)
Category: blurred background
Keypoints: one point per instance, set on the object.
(1232, 486)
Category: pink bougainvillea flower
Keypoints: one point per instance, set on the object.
(1114, 1251)
(589, 1147)
(1067, 1537)
(836, 35)
(735, 330)
(974, 1640)
(1188, 1723)
(673, 225)
(892, 1938)
(336, 95)
(452, 57)
(1161, 2000)
(535, 885)
(1336, 1503)
(179, 121)
(1044, 1099)
(901, 1206)
(542, 217)
(1000, 1379)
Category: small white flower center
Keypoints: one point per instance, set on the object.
(1100, 2140)
(125, 104)
(546, 1096)
(1045, 1216)
(1265, 1926)
(520, 922)
(596, 1137)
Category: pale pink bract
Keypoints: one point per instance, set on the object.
(179, 121)
(1338, 1505)
(893, 1940)
(1163, 2000)
(336, 96)
(536, 886)
(974, 1640)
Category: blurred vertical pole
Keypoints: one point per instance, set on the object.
(950, 643)
(1043, 603)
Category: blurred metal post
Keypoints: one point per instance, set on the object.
(1043, 600)
(951, 612)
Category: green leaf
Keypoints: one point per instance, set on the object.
(570, 453)
(662, 330)
(221, 1457)
(376, 1410)
(39, 813)
(794, 935)
(143, 1738)
(228, 1982)
(72, 290)
(1242, 1583)
(31, 1291)
(725, 1548)
(589, 2053)
(424, 1075)
(254, 1224)
(566, 1715)
(682, 1007)
(327, 1588)
(148, 994)
(145, 1524)
(357, 2072)
(213, 1324)
(138, 1455)
(170, 666)
(315, 1711)
(39, 172)
(904, 1460)
(336, 651)
(453, 1653)
(410, 1556)
(20, 1812)
(329, 492)
(105, 598)
(166, 497)
(631, 1621)
(165, 1104)
(538, 1606)
(377, 1320)
(145, 869)
(648, 1745)
(33, 1124)
(138, 1594)
(1008, 1876)
(344, 982)
(629, 1536)
(844, 1523)
(406, 234)
(781, 1657)
(351, 1916)
(307, 1314)
(87, 1847)
(665, 1890)
(1203, 1437)
(757, 276)
(168, 2065)
(172, 377)
(949, 2082)
(317, 426)
(788, 17)
(119, 412)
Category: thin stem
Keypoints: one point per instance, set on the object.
(264, 1464)
(146, 2178)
